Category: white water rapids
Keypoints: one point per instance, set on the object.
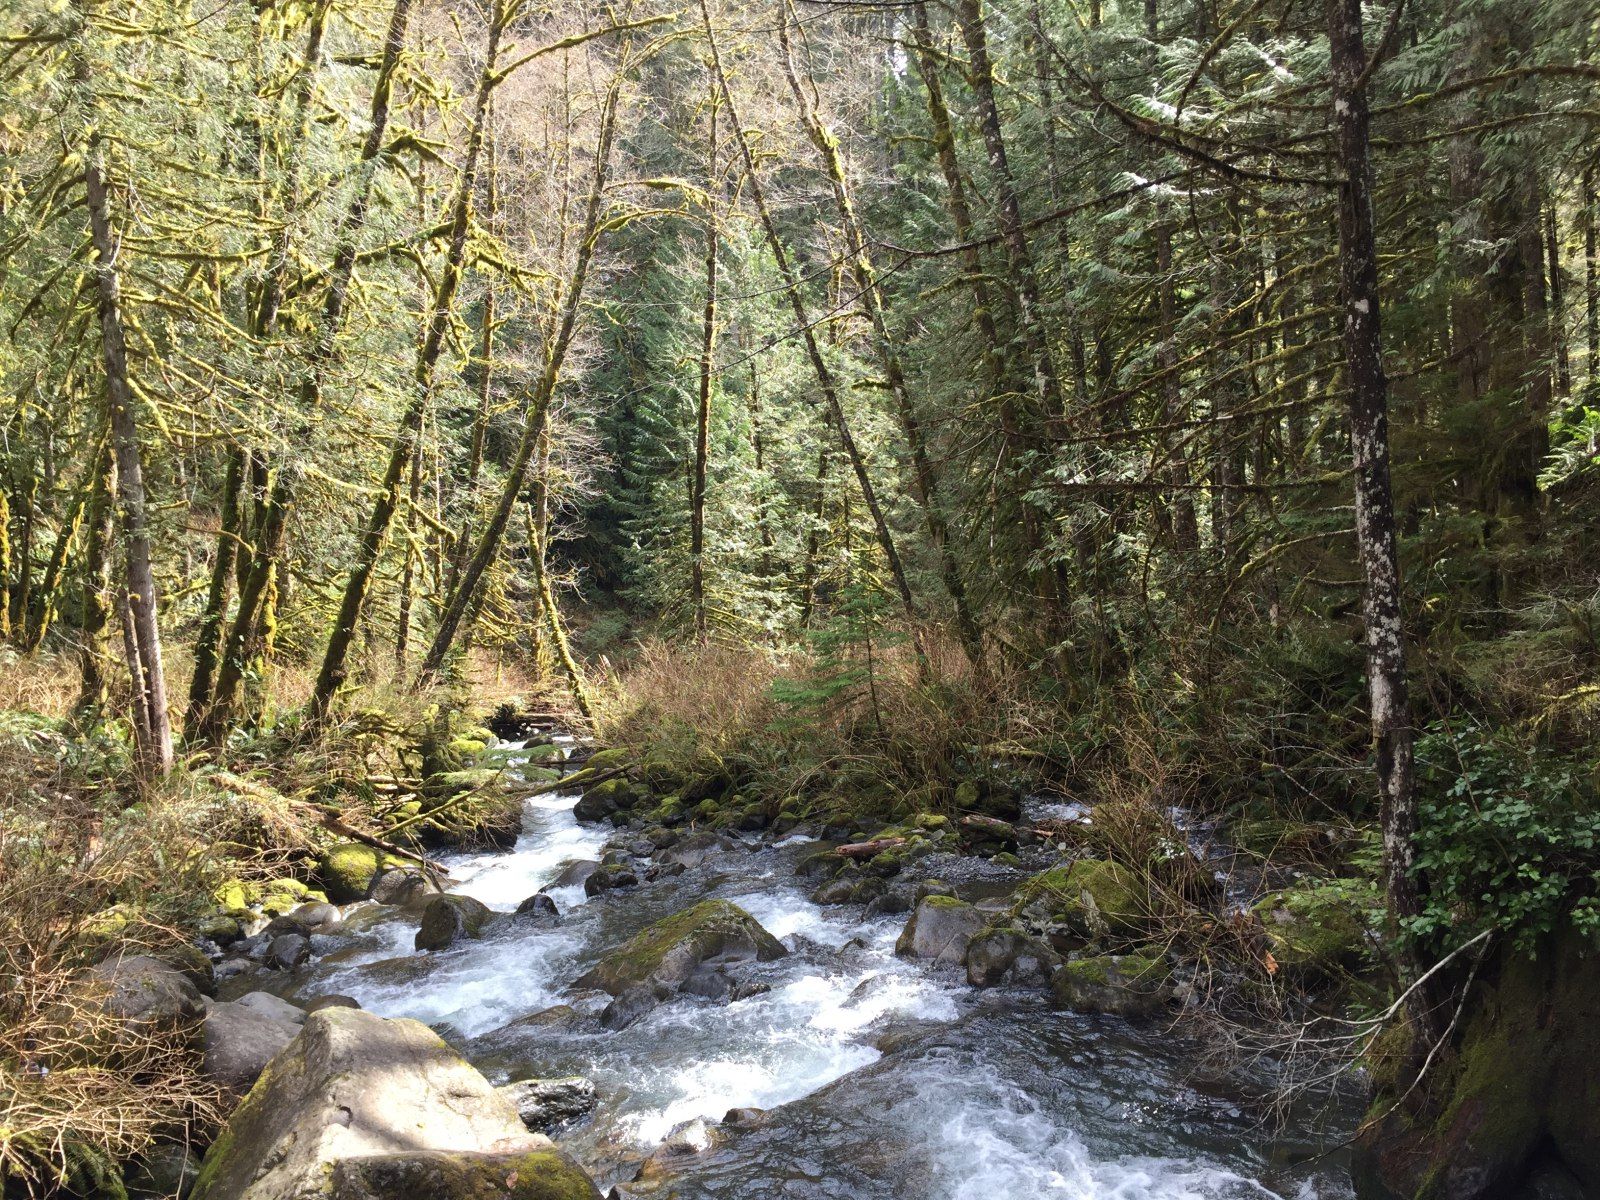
(980, 1096)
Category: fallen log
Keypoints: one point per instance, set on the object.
(869, 849)
(990, 826)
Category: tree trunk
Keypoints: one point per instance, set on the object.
(331, 676)
(825, 380)
(206, 643)
(536, 418)
(1591, 288)
(95, 613)
(702, 425)
(272, 528)
(925, 489)
(1376, 538)
(143, 632)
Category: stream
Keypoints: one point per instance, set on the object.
(885, 1078)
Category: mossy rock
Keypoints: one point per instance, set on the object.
(606, 799)
(1090, 898)
(346, 871)
(988, 797)
(1523, 1087)
(608, 760)
(545, 1174)
(1317, 929)
(449, 918)
(664, 954)
(1127, 985)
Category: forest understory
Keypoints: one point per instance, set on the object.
(1091, 508)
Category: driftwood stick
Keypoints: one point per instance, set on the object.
(869, 849)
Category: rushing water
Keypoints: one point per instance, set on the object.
(886, 1079)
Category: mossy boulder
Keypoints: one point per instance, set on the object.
(656, 962)
(1088, 899)
(1318, 929)
(1129, 985)
(1521, 1092)
(988, 797)
(449, 918)
(614, 759)
(455, 1175)
(940, 928)
(607, 799)
(353, 1087)
(346, 871)
(1006, 955)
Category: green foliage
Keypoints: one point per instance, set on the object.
(1508, 837)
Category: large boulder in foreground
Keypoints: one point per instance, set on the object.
(656, 962)
(361, 1108)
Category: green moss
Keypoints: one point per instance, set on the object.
(346, 871)
(608, 760)
(703, 929)
(1317, 928)
(1091, 896)
(944, 902)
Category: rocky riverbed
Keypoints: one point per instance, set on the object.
(791, 1051)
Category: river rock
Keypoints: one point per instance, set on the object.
(693, 849)
(744, 1118)
(268, 1005)
(357, 1107)
(542, 1103)
(332, 1000)
(940, 928)
(288, 951)
(148, 997)
(656, 962)
(449, 918)
(572, 875)
(240, 1040)
(896, 899)
(307, 919)
(1087, 900)
(609, 877)
(1008, 956)
(608, 798)
(347, 871)
(1128, 985)
(540, 907)
(402, 886)
(682, 1145)
(439, 1175)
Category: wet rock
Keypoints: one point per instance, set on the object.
(609, 877)
(539, 907)
(572, 875)
(347, 871)
(449, 918)
(931, 887)
(683, 1145)
(275, 1007)
(239, 1041)
(229, 967)
(148, 997)
(543, 1103)
(288, 951)
(692, 850)
(221, 929)
(940, 929)
(545, 1174)
(606, 800)
(744, 1118)
(1128, 985)
(1008, 956)
(657, 961)
(308, 919)
(163, 1172)
(1085, 900)
(335, 1000)
(354, 1088)
(836, 891)
(402, 886)
(664, 870)
(819, 864)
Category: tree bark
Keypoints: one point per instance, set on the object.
(143, 630)
(331, 676)
(95, 613)
(1376, 537)
(702, 425)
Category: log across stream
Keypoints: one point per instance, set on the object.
(879, 1077)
